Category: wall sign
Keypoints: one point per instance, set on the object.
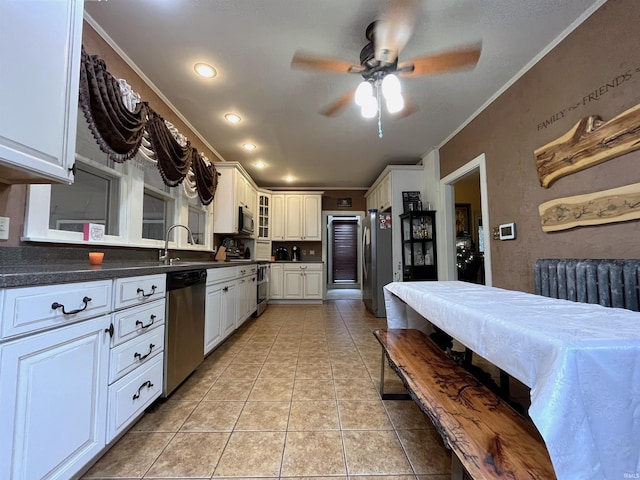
(344, 203)
(596, 94)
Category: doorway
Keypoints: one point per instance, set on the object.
(469, 230)
(343, 250)
(473, 208)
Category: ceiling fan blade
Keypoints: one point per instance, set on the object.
(304, 60)
(393, 30)
(441, 62)
(339, 105)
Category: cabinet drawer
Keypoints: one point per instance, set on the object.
(137, 290)
(246, 270)
(128, 356)
(300, 267)
(215, 275)
(130, 395)
(137, 321)
(30, 309)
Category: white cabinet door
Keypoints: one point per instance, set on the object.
(241, 301)
(252, 197)
(293, 210)
(40, 64)
(312, 217)
(252, 295)
(213, 317)
(53, 400)
(384, 193)
(277, 217)
(293, 284)
(229, 292)
(264, 216)
(312, 284)
(276, 281)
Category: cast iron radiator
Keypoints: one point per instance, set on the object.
(610, 283)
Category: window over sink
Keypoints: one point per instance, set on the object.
(129, 198)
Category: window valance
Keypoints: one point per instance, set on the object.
(120, 127)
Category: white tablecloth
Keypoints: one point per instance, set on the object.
(581, 361)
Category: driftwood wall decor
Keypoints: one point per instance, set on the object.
(608, 206)
(590, 142)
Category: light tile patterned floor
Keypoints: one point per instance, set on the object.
(293, 393)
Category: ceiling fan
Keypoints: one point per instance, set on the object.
(379, 60)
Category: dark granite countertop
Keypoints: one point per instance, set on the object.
(46, 274)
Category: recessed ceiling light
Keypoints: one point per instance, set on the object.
(249, 146)
(232, 118)
(289, 178)
(260, 164)
(205, 70)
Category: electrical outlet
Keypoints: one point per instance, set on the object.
(4, 228)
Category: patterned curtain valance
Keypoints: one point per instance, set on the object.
(120, 126)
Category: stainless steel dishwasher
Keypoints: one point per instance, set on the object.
(184, 343)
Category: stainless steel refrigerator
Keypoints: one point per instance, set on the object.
(376, 261)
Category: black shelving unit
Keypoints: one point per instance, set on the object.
(419, 256)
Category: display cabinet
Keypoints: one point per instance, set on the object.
(264, 200)
(419, 257)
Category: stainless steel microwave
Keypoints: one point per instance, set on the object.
(245, 221)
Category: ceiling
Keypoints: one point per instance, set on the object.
(251, 44)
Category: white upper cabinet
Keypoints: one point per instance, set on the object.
(293, 227)
(234, 191)
(303, 214)
(40, 63)
(312, 206)
(276, 217)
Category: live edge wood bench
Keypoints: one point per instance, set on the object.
(487, 437)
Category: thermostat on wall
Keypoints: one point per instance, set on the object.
(507, 231)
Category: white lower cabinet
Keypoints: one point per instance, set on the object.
(220, 306)
(136, 368)
(130, 395)
(53, 400)
(276, 278)
(220, 316)
(301, 281)
(247, 294)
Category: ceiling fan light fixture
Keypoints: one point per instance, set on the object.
(370, 108)
(395, 104)
(391, 86)
(363, 94)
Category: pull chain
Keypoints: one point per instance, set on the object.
(379, 109)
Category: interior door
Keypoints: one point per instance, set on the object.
(344, 259)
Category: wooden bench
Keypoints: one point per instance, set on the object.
(488, 438)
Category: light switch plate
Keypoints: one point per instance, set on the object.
(4, 228)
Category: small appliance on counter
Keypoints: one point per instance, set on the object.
(295, 253)
(282, 254)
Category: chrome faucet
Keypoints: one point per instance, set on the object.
(164, 257)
